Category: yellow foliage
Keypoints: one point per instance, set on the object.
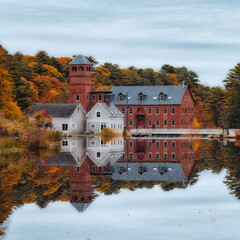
(53, 189)
(196, 124)
(52, 71)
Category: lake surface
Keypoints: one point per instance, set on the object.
(161, 188)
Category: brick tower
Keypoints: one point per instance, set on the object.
(80, 81)
(80, 186)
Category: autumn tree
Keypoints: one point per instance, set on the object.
(232, 106)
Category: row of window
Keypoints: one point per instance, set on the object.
(157, 111)
(165, 143)
(165, 123)
(187, 110)
(165, 155)
(81, 69)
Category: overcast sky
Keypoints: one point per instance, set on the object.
(203, 35)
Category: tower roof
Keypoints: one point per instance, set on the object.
(80, 59)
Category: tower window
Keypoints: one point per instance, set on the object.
(161, 97)
(81, 69)
(93, 97)
(77, 97)
(120, 97)
(74, 69)
(99, 97)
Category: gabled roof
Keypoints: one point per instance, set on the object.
(174, 172)
(81, 207)
(173, 93)
(80, 59)
(63, 159)
(55, 109)
(111, 111)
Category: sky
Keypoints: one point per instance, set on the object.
(202, 35)
(203, 211)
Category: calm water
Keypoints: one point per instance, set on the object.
(168, 188)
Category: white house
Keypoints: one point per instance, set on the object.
(104, 115)
(66, 118)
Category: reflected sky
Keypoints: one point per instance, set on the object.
(201, 35)
(202, 211)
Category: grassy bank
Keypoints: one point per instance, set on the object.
(20, 134)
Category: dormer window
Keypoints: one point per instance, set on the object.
(120, 97)
(140, 97)
(161, 95)
(74, 69)
(81, 69)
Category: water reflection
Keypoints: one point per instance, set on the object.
(85, 167)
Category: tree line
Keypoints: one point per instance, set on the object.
(25, 80)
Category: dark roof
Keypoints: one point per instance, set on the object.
(173, 172)
(173, 94)
(63, 159)
(80, 59)
(81, 207)
(55, 109)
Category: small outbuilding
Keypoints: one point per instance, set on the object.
(66, 118)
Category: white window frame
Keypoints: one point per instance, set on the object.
(97, 114)
(67, 127)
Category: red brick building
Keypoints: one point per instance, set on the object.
(145, 107)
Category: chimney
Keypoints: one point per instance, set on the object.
(108, 102)
(183, 84)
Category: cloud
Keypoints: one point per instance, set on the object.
(201, 35)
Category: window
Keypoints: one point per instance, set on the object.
(185, 98)
(150, 144)
(98, 114)
(78, 169)
(182, 122)
(189, 110)
(81, 69)
(100, 169)
(123, 156)
(64, 126)
(130, 123)
(157, 155)
(130, 143)
(120, 97)
(73, 125)
(173, 155)
(165, 111)
(185, 110)
(182, 110)
(165, 122)
(92, 126)
(130, 111)
(100, 97)
(188, 98)
(93, 97)
(173, 110)
(140, 97)
(157, 143)
(77, 97)
(149, 111)
(165, 143)
(74, 69)
(103, 125)
(149, 122)
(157, 122)
(123, 110)
(64, 143)
(130, 155)
(165, 156)
(157, 111)
(98, 154)
(173, 122)
(149, 155)
(173, 144)
(94, 168)
(92, 143)
(161, 97)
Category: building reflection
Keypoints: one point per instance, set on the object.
(157, 160)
